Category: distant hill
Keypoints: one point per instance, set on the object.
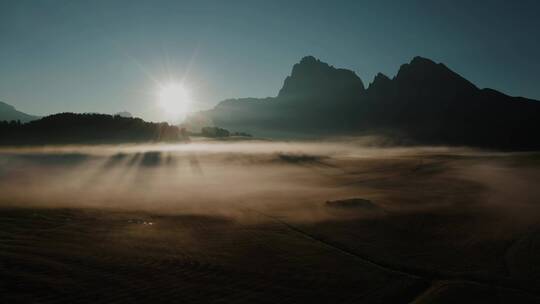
(71, 128)
(425, 103)
(9, 113)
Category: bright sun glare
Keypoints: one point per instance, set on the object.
(174, 99)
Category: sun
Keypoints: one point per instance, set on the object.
(175, 99)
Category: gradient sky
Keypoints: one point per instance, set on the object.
(108, 56)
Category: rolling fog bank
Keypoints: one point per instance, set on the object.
(292, 178)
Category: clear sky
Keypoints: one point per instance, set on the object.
(109, 56)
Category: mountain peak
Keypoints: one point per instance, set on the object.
(380, 81)
(312, 78)
(426, 74)
(309, 60)
(419, 60)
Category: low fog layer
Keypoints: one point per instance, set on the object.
(290, 178)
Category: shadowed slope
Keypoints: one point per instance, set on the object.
(9, 113)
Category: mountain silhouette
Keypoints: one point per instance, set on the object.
(9, 113)
(432, 104)
(425, 103)
(312, 80)
(316, 99)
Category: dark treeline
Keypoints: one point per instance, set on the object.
(71, 128)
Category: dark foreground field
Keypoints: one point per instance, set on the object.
(250, 223)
